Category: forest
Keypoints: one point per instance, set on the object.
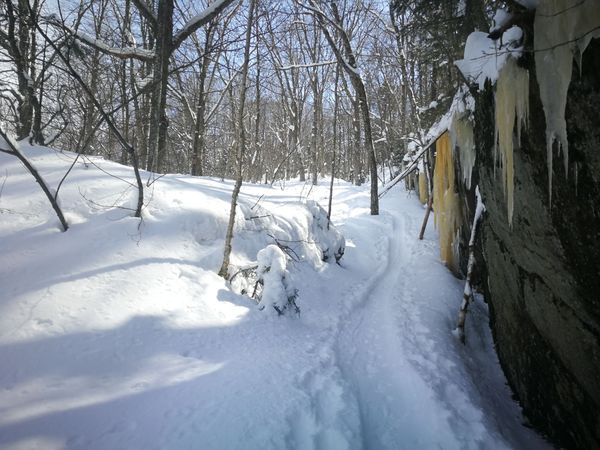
(169, 78)
(262, 219)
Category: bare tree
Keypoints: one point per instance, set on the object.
(13, 149)
(160, 21)
(293, 89)
(105, 117)
(347, 59)
(18, 40)
(241, 142)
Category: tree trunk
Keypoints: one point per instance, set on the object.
(314, 134)
(14, 150)
(159, 123)
(18, 45)
(199, 144)
(257, 159)
(241, 144)
(361, 94)
(347, 60)
(336, 104)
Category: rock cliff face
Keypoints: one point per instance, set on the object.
(543, 272)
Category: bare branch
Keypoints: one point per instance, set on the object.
(146, 12)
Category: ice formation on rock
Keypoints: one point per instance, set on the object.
(461, 133)
(512, 105)
(446, 201)
(562, 30)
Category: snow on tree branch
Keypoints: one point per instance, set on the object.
(306, 66)
(121, 53)
(199, 20)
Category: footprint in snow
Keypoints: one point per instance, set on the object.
(44, 322)
(140, 386)
(189, 354)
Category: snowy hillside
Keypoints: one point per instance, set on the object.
(119, 335)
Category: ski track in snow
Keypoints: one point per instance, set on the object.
(390, 386)
(114, 336)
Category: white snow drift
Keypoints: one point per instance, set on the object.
(118, 334)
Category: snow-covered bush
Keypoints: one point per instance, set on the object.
(326, 236)
(272, 275)
(295, 232)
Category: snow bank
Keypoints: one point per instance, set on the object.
(119, 334)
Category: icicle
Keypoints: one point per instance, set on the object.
(512, 105)
(461, 132)
(562, 30)
(422, 183)
(446, 201)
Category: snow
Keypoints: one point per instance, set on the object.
(479, 210)
(462, 103)
(8, 142)
(501, 18)
(118, 334)
(484, 57)
(432, 105)
(272, 271)
(327, 237)
(126, 52)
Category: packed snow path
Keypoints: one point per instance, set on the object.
(120, 336)
(394, 376)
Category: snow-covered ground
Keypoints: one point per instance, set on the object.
(119, 334)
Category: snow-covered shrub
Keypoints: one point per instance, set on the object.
(272, 275)
(326, 236)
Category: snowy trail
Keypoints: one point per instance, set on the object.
(333, 419)
(117, 335)
(364, 351)
(393, 368)
(376, 348)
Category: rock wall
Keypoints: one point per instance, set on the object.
(543, 273)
